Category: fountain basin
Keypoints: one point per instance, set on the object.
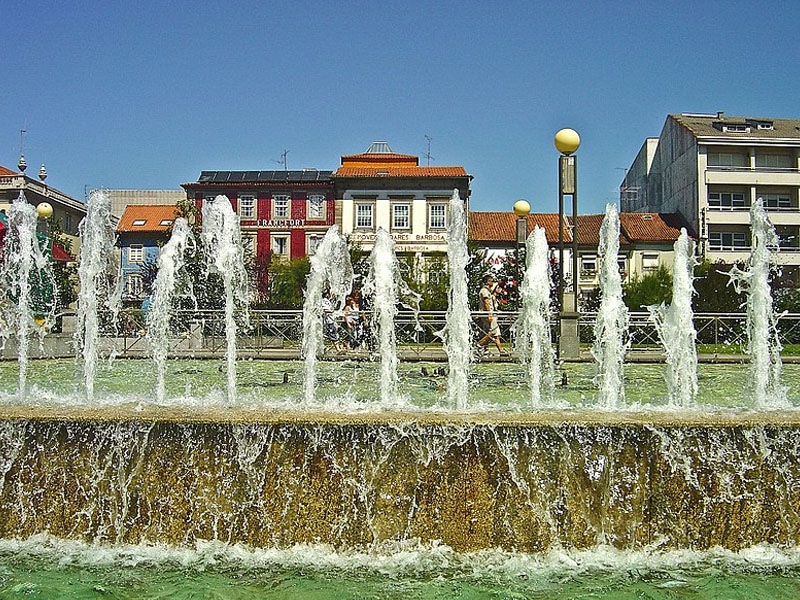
(518, 482)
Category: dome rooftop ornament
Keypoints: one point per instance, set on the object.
(42, 172)
(22, 164)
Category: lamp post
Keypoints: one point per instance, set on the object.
(522, 209)
(567, 142)
(44, 210)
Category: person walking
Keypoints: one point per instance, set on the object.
(487, 301)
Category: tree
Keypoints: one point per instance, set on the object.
(287, 283)
(714, 294)
(65, 275)
(651, 288)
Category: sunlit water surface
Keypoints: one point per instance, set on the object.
(354, 385)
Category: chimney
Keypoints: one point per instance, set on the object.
(720, 115)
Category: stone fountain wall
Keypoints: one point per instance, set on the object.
(523, 486)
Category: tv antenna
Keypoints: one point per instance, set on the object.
(428, 153)
(283, 160)
(22, 165)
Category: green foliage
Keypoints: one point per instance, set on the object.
(714, 294)
(287, 283)
(649, 289)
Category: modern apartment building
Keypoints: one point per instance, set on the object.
(711, 168)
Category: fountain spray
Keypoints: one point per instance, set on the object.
(386, 287)
(763, 346)
(675, 326)
(222, 241)
(330, 272)
(457, 333)
(170, 279)
(532, 328)
(99, 284)
(611, 328)
(26, 269)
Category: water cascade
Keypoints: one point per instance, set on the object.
(222, 242)
(675, 326)
(99, 285)
(532, 330)
(329, 281)
(457, 333)
(170, 280)
(764, 346)
(26, 276)
(386, 287)
(611, 328)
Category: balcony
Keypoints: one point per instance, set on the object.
(751, 176)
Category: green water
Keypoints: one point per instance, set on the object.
(355, 384)
(308, 573)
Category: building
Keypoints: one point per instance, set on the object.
(283, 215)
(67, 211)
(646, 241)
(380, 188)
(711, 168)
(120, 199)
(141, 231)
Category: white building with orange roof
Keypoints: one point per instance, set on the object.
(381, 188)
(141, 232)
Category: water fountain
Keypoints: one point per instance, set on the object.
(610, 333)
(675, 326)
(330, 273)
(452, 489)
(532, 329)
(764, 347)
(25, 271)
(457, 333)
(99, 284)
(386, 287)
(222, 242)
(170, 280)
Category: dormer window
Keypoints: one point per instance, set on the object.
(735, 128)
(166, 222)
(765, 125)
(139, 222)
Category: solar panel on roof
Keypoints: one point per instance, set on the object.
(251, 176)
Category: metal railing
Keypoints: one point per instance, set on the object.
(416, 334)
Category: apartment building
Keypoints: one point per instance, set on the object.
(711, 168)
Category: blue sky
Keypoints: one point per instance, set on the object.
(145, 95)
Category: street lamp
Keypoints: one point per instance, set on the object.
(567, 142)
(522, 209)
(44, 210)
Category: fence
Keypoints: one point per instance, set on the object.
(416, 334)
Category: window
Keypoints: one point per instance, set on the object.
(437, 216)
(280, 207)
(67, 223)
(649, 262)
(280, 246)
(364, 216)
(622, 265)
(588, 264)
(166, 222)
(316, 206)
(727, 240)
(401, 216)
(778, 201)
(729, 200)
(774, 161)
(134, 285)
(139, 222)
(135, 253)
(247, 207)
(313, 242)
(728, 159)
(735, 128)
(208, 199)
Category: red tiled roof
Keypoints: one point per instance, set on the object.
(153, 216)
(395, 171)
(634, 227)
(651, 227)
(502, 226)
(5, 171)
